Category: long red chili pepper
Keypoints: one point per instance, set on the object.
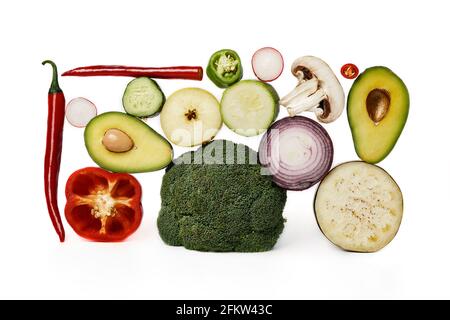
(55, 125)
(188, 73)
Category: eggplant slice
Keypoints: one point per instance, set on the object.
(359, 207)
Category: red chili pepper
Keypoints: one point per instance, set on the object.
(103, 206)
(188, 73)
(349, 71)
(55, 125)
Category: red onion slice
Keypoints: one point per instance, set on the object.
(297, 151)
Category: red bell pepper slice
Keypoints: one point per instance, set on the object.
(103, 206)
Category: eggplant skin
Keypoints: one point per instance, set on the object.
(384, 233)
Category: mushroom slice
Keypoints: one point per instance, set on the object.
(302, 90)
(318, 90)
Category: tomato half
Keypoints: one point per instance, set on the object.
(349, 71)
(103, 206)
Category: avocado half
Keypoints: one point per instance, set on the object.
(377, 109)
(150, 151)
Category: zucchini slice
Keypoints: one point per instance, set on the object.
(249, 107)
(359, 207)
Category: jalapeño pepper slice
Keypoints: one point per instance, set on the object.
(224, 68)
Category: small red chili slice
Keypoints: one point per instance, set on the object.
(349, 71)
(103, 206)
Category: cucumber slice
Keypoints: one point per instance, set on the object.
(249, 107)
(143, 97)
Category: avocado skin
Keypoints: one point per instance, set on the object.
(358, 141)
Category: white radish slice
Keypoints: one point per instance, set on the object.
(267, 64)
(359, 207)
(80, 111)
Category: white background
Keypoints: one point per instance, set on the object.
(409, 37)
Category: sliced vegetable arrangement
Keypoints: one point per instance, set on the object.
(225, 196)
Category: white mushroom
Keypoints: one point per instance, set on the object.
(318, 90)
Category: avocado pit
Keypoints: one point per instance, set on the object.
(378, 102)
(116, 140)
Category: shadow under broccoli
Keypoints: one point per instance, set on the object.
(214, 200)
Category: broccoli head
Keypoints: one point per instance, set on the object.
(217, 199)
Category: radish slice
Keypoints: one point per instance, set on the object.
(80, 111)
(297, 152)
(267, 64)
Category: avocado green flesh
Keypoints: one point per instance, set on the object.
(150, 152)
(374, 141)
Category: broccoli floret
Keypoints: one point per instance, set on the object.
(216, 199)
